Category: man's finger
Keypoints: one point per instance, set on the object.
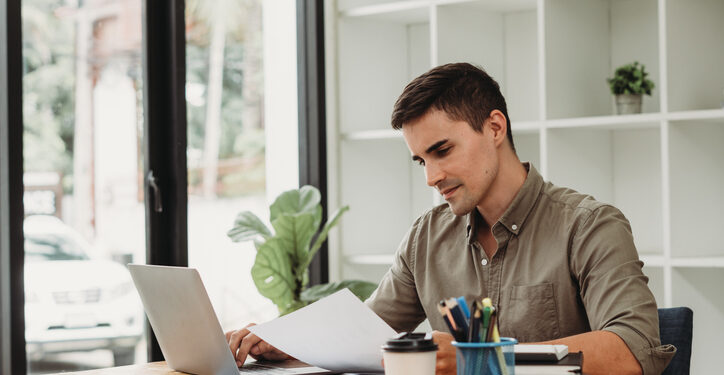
(234, 339)
(247, 343)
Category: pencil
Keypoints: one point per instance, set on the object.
(444, 313)
(449, 315)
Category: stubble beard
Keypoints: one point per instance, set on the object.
(462, 204)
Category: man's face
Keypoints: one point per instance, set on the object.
(459, 162)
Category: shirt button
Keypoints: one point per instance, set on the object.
(484, 262)
(515, 227)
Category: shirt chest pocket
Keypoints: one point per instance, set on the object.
(531, 314)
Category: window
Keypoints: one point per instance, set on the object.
(84, 195)
(241, 139)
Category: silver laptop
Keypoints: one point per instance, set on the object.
(186, 326)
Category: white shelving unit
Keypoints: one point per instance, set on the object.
(662, 168)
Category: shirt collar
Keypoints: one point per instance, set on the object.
(514, 216)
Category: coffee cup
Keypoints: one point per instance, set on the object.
(410, 354)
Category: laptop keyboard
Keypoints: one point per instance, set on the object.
(254, 368)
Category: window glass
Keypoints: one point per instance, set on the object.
(83, 164)
(231, 108)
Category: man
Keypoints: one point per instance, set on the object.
(559, 266)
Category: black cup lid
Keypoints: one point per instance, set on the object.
(409, 342)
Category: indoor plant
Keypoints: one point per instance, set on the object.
(628, 84)
(283, 255)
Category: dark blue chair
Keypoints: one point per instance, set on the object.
(675, 326)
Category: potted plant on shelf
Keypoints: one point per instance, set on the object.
(628, 84)
(284, 254)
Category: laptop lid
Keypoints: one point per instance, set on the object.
(183, 319)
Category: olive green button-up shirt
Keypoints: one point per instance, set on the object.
(565, 264)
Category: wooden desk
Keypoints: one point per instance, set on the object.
(153, 368)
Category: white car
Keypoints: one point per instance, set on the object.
(74, 302)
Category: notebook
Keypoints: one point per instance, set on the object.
(571, 363)
(540, 352)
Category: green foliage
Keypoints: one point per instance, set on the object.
(48, 88)
(630, 79)
(362, 289)
(280, 271)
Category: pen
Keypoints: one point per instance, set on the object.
(474, 331)
(486, 323)
(458, 315)
(492, 333)
(464, 306)
(458, 333)
(444, 314)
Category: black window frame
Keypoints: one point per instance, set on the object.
(312, 116)
(164, 99)
(12, 295)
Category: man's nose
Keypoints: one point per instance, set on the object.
(433, 174)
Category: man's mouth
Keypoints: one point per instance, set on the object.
(447, 193)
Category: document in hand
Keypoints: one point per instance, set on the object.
(338, 333)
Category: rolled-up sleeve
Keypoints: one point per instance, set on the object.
(614, 289)
(396, 300)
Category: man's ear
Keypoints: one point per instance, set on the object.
(499, 126)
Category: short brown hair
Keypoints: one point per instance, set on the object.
(461, 90)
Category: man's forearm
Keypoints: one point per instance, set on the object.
(603, 353)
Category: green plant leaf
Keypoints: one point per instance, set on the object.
(305, 199)
(247, 226)
(272, 274)
(323, 234)
(295, 232)
(361, 289)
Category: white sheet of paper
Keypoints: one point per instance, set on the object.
(338, 333)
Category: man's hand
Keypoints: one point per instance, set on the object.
(242, 343)
(445, 364)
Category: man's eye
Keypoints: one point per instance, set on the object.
(421, 162)
(443, 151)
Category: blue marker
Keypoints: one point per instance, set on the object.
(464, 306)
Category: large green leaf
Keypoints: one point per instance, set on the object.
(247, 226)
(304, 199)
(361, 289)
(295, 232)
(272, 274)
(323, 234)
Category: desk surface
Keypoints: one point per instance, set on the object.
(153, 368)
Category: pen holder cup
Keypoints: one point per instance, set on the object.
(486, 358)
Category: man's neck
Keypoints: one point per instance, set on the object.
(504, 189)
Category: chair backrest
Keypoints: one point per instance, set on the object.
(675, 326)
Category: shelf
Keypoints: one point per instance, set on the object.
(383, 9)
(371, 260)
(704, 115)
(585, 41)
(651, 260)
(551, 58)
(366, 135)
(698, 262)
(617, 122)
(696, 177)
(642, 120)
(400, 12)
(694, 55)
